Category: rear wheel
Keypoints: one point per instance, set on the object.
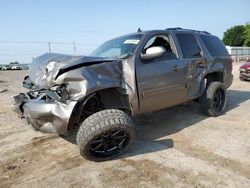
(213, 101)
(105, 134)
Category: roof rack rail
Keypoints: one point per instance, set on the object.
(205, 32)
(174, 28)
(196, 31)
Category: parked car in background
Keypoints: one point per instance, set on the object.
(6, 67)
(245, 70)
(16, 67)
(24, 66)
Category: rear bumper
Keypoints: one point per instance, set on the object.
(228, 80)
(52, 117)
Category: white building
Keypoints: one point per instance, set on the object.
(239, 53)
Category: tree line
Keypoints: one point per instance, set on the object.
(238, 35)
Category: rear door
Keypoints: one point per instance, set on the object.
(195, 62)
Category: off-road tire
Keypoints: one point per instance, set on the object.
(106, 127)
(209, 100)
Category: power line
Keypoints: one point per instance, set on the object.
(37, 42)
(20, 42)
(48, 43)
(18, 53)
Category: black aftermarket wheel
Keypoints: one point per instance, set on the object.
(105, 134)
(213, 101)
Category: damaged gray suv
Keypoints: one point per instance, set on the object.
(129, 75)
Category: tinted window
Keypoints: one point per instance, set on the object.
(214, 45)
(189, 45)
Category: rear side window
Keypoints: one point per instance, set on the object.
(189, 46)
(214, 45)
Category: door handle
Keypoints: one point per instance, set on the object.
(200, 64)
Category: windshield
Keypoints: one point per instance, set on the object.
(117, 48)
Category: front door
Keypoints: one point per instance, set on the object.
(161, 82)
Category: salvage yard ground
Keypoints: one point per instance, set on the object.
(176, 147)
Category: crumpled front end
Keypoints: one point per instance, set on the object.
(48, 106)
(44, 112)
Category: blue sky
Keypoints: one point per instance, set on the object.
(90, 23)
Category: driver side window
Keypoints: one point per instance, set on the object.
(162, 41)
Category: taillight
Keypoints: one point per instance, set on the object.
(230, 64)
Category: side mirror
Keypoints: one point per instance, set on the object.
(153, 52)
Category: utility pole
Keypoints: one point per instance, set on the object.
(74, 47)
(49, 47)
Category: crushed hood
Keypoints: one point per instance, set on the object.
(40, 74)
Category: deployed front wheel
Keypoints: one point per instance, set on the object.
(213, 101)
(105, 134)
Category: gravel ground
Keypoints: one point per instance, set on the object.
(176, 147)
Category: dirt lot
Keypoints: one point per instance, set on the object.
(175, 147)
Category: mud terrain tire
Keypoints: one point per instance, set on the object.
(213, 100)
(105, 134)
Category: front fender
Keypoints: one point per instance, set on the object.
(86, 80)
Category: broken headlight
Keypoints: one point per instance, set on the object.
(58, 93)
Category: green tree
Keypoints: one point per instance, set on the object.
(247, 35)
(14, 63)
(235, 36)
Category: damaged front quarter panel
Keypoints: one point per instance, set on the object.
(85, 80)
(54, 93)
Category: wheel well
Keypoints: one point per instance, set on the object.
(111, 98)
(210, 77)
(213, 77)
